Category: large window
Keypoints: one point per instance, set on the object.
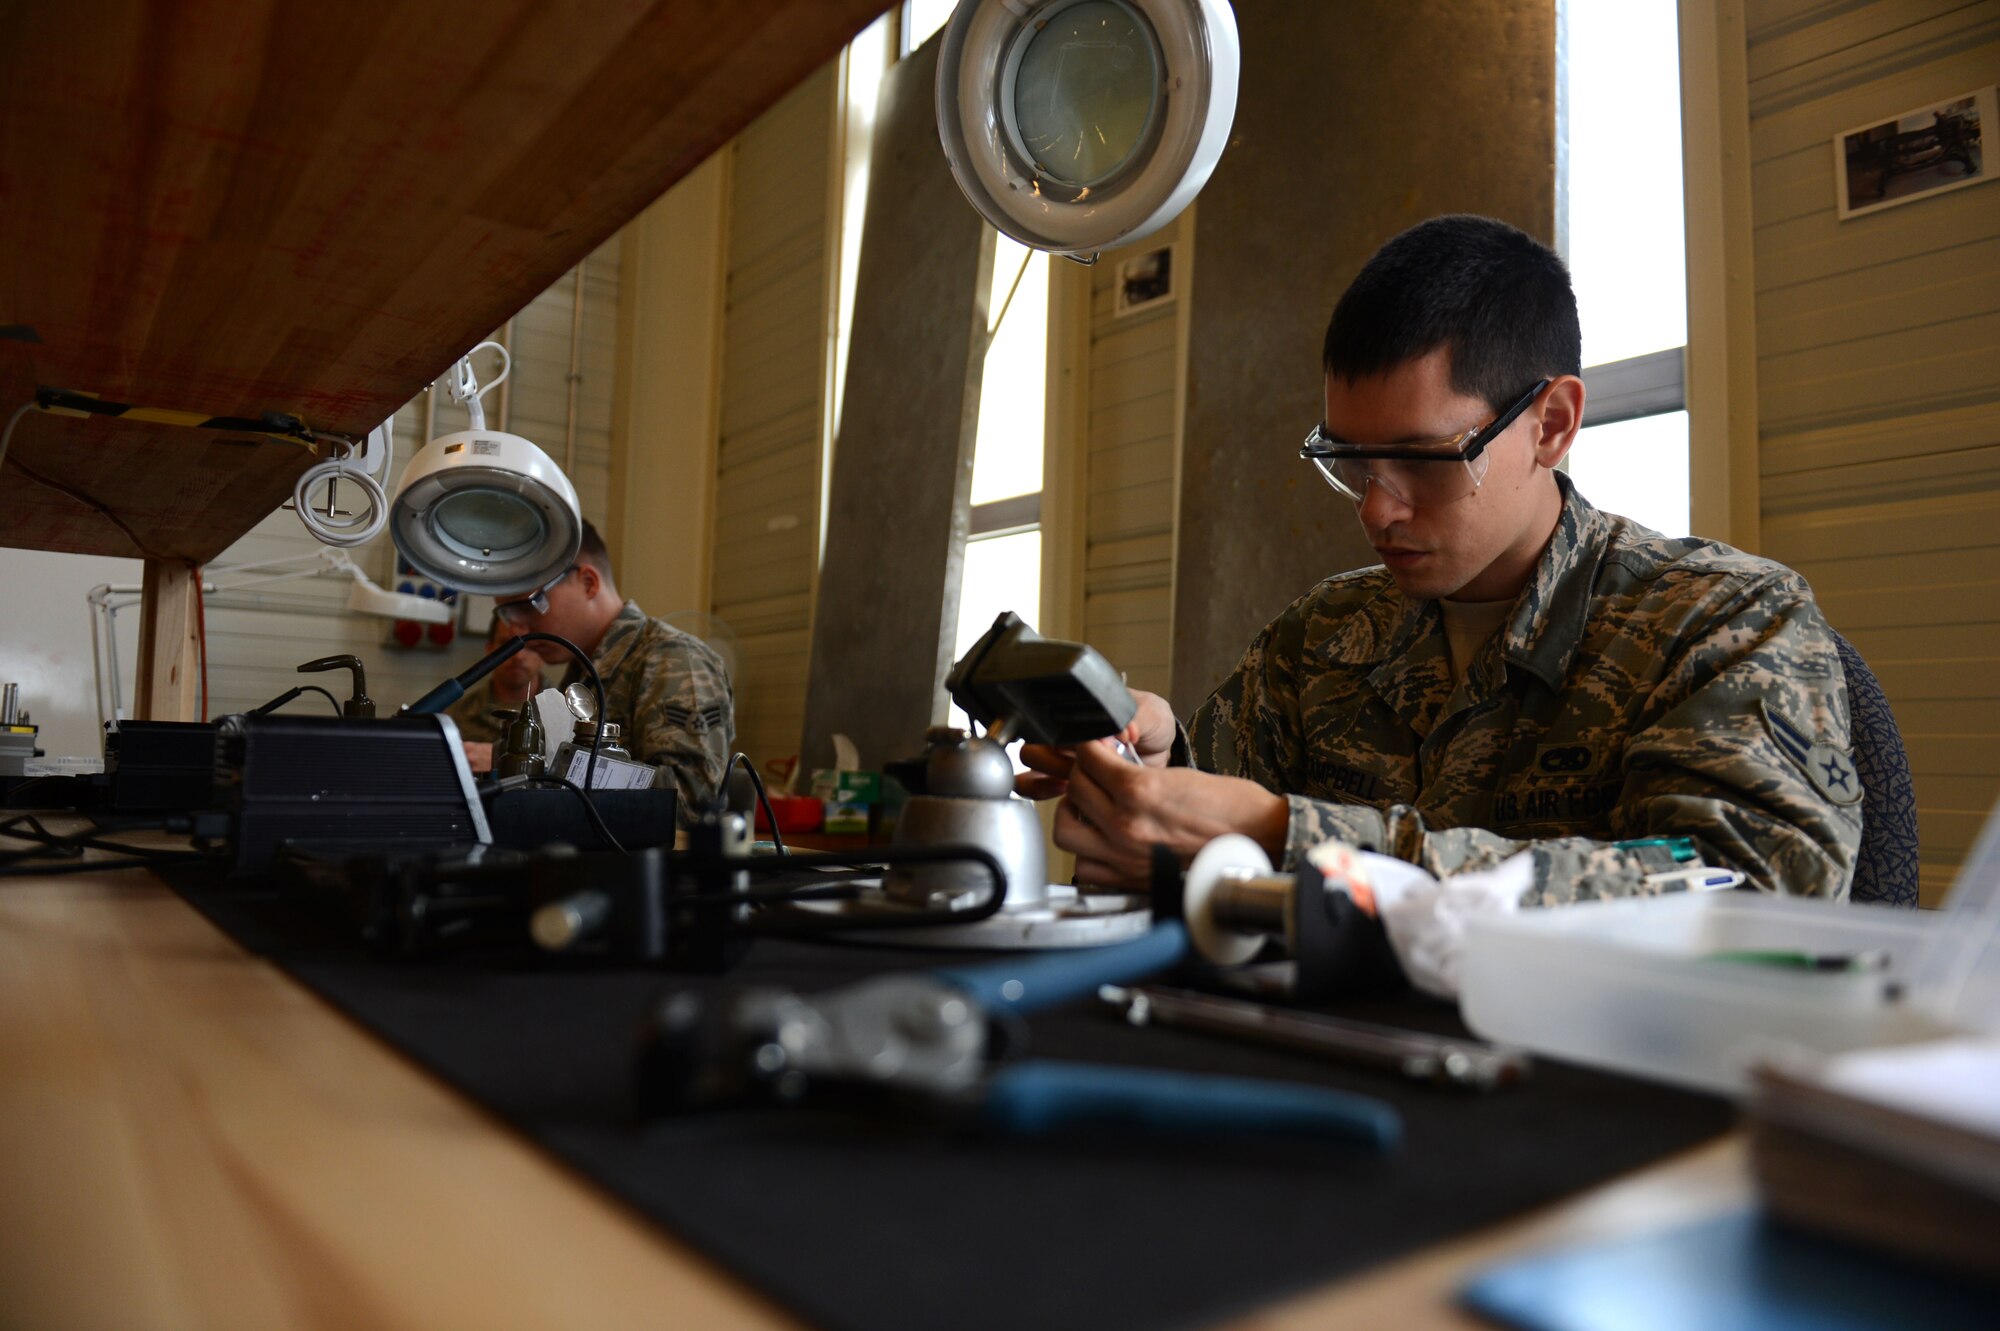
(1627, 255)
(921, 20)
(1003, 556)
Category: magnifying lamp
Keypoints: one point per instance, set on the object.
(484, 510)
(1076, 125)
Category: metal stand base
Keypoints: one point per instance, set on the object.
(1068, 918)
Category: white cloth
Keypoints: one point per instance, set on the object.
(1425, 918)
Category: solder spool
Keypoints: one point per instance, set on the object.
(1235, 903)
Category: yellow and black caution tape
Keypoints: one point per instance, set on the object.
(272, 424)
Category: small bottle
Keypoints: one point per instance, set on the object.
(521, 749)
(586, 731)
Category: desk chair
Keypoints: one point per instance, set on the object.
(1886, 868)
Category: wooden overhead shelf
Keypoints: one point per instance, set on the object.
(243, 207)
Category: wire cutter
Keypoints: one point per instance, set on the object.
(936, 1042)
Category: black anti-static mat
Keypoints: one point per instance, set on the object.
(881, 1226)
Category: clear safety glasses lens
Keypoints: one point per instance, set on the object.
(1417, 483)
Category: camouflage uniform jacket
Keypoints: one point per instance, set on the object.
(473, 714)
(670, 693)
(1642, 687)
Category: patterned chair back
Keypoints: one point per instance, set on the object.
(1886, 869)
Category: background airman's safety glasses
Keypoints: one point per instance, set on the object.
(517, 612)
(1424, 474)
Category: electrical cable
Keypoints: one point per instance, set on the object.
(201, 640)
(331, 701)
(7, 435)
(329, 528)
(266, 709)
(69, 847)
(71, 492)
(770, 815)
(464, 386)
(589, 808)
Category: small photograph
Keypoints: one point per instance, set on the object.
(1916, 154)
(1144, 281)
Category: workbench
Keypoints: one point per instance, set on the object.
(189, 1138)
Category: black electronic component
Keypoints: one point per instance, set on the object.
(158, 766)
(695, 910)
(1019, 685)
(326, 782)
(526, 819)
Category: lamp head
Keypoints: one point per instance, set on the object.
(488, 512)
(1077, 125)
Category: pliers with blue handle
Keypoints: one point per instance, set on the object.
(934, 1040)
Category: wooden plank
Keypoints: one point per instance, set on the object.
(169, 672)
(286, 240)
(189, 1138)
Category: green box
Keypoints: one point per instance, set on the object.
(847, 787)
(846, 818)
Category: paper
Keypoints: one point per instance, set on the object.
(611, 773)
(1954, 1081)
(558, 723)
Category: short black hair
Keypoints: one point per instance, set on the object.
(1499, 299)
(594, 552)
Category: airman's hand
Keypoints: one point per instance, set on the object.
(1115, 812)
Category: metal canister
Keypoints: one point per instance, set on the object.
(521, 748)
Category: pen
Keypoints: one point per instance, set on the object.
(1681, 846)
(1847, 962)
(1697, 879)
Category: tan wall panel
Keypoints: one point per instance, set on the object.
(1949, 361)
(1944, 524)
(1878, 342)
(1865, 442)
(1874, 81)
(1835, 40)
(773, 402)
(1922, 290)
(1910, 607)
(1136, 388)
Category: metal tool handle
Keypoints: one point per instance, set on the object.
(1465, 1063)
(1037, 1097)
(1061, 977)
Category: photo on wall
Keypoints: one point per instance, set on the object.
(1913, 155)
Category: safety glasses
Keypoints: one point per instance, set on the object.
(536, 603)
(1425, 474)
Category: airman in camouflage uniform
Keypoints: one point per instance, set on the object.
(666, 690)
(1522, 673)
(1642, 687)
(670, 692)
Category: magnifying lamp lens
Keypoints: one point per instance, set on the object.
(486, 524)
(1086, 92)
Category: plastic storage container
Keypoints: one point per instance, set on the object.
(1633, 984)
